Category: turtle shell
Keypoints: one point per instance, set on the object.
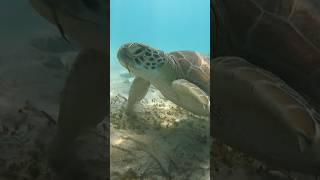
(193, 67)
(281, 36)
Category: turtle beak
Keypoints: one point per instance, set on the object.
(124, 57)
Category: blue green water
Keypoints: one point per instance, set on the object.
(169, 25)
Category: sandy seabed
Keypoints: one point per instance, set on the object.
(162, 142)
(31, 83)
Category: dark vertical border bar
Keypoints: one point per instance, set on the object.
(213, 46)
(108, 86)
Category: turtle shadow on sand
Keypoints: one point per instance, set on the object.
(163, 141)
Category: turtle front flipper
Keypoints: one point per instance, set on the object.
(263, 116)
(82, 107)
(138, 90)
(191, 97)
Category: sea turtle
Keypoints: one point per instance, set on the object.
(84, 101)
(181, 76)
(266, 80)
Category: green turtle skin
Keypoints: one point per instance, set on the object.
(266, 80)
(183, 77)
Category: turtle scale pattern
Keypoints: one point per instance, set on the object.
(193, 67)
(280, 38)
(292, 18)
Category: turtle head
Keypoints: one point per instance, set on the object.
(84, 21)
(140, 59)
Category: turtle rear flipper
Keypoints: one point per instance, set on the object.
(262, 115)
(191, 97)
